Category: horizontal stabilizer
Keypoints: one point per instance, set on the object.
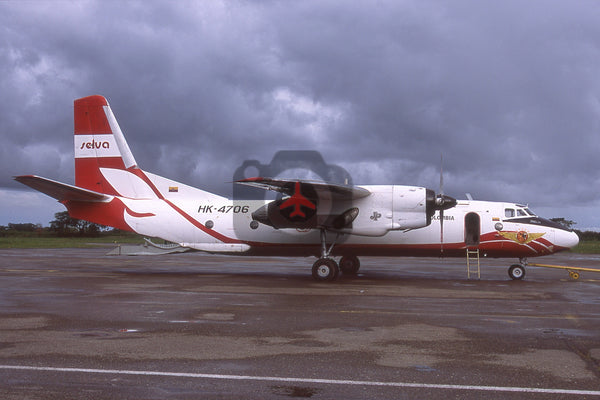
(61, 191)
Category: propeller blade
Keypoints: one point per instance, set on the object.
(441, 204)
(442, 231)
(441, 174)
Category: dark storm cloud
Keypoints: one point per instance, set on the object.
(507, 91)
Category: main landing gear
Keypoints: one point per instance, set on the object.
(517, 271)
(326, 269)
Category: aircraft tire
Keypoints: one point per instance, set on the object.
(349, 265)
(516, 272)
(325, 270)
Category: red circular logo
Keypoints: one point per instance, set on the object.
(522, 236)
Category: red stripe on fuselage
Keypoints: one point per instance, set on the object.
(495, 248)
(138, 215)
(225, 239)
(215, 234)
(142, 175)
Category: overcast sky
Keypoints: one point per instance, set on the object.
(508, 91)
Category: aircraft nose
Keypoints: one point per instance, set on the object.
(566, 239)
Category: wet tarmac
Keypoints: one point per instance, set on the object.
(77, 324)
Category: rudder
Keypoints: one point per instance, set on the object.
(99, 143)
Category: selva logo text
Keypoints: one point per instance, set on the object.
(94, 145)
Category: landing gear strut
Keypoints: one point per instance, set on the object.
(325, 268)
(517, 271)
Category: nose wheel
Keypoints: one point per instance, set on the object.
(517, 271)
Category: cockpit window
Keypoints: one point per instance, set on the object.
(518, 212)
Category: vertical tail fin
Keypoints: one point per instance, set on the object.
(99, 143)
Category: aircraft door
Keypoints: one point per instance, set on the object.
(472, 229)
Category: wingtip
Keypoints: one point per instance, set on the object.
(20, 178)
(253, 179)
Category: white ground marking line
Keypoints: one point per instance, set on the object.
(306, 380)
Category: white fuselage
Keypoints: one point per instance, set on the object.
(204, 221)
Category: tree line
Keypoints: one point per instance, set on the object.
(63, 225)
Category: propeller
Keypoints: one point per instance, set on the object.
(443, 202)
(440, 201)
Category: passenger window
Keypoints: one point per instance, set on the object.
(509, 212)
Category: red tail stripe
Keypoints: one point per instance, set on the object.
(88, 175)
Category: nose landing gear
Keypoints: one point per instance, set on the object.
(517, 271)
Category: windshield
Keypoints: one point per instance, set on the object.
(518, 212)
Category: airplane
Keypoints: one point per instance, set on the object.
(309, 218)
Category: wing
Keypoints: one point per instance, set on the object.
(61, 191)
(286, 186)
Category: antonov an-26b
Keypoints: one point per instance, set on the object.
(308, 218)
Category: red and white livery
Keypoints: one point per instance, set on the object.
(309, 218)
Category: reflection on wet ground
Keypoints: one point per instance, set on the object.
(401, 320)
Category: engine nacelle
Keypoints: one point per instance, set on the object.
(392, 208)
(273, 215)
(412, 207)
(386, 208)
(278, 216)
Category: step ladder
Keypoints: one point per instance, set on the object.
(472, 260)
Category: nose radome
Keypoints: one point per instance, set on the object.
(574, 239)
(566, 239)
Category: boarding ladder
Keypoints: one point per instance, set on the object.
(472, 260)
